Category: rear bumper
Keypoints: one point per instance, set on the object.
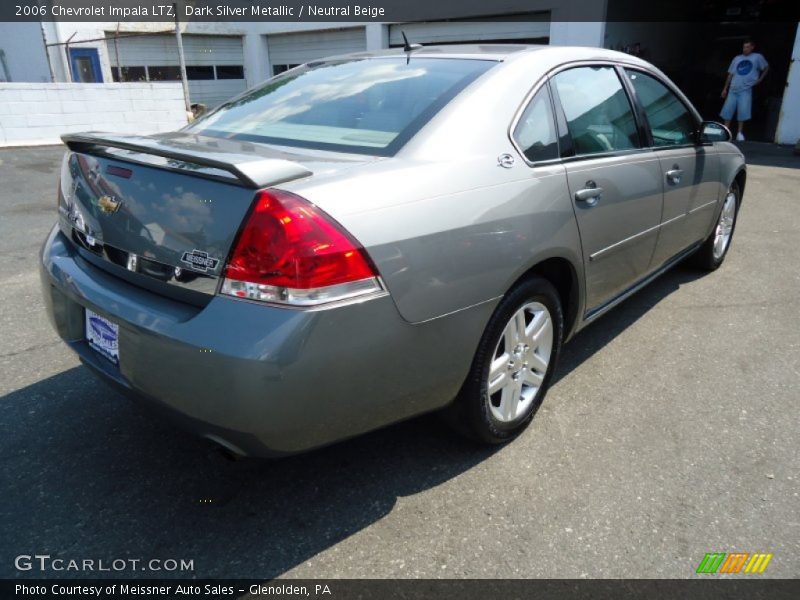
(262, 380)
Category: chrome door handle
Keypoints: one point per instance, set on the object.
(590, 195)
(674, 175)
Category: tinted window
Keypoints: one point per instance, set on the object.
(230, 72)
(164, 73)
(278, 69)
(599, 115)
(129, 73)
(370, 106)
(536, 133)
(671, 123)
(199, 72)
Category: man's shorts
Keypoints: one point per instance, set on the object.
(738, 104)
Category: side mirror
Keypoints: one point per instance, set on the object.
(711, 131)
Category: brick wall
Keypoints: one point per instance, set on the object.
(38, 113)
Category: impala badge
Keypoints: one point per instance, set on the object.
(108, 204)
(200, 260)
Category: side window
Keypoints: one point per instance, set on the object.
(535, 132)
(671, 123)
(598, 112)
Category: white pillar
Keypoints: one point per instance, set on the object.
(377, 36)
(58, 59)
(789, 120)
(256, 58)
(566, 30)
(578, 33)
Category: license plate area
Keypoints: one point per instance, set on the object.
(102, 336)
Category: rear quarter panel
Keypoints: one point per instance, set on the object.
(441, 251)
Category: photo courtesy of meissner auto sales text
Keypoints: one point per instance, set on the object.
(399, 299)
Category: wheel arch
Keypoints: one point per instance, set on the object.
(741, 179)
(563, 275)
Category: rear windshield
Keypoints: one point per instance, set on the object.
(368, 106)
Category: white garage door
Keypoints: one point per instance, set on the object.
(287, 50)
(214, 63)
(534, 29)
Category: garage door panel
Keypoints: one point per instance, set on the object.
(163, 50)
(471, 31)
(154, 51)
(213, 93)
(141, 51)
(215, 50)
(299, 48)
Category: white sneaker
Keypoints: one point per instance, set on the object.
(740, 137)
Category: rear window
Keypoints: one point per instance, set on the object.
(369, 106)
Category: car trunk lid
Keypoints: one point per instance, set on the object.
(163, 211)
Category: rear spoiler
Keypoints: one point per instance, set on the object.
(249, 171)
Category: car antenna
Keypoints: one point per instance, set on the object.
(409, 48)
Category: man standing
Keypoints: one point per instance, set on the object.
(746, 71)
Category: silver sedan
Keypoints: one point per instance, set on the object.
(371, 237)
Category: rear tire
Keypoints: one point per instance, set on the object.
(513, 365)
(712, 253)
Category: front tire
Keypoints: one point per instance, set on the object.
(513, 365)
(712, 253)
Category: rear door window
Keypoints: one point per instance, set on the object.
(535, 133)
(598, 112)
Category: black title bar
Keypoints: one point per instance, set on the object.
(711, 588)
(395, 10)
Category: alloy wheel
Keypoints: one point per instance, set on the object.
(519, 362)
(724, 231)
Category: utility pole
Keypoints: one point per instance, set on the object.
(116, 52)
(182, 60)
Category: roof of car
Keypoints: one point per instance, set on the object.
(500, 52)
(479, 51)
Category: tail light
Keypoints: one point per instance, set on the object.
(290, 252)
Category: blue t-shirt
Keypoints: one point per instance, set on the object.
(746, 70)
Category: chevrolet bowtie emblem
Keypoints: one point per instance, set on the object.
(108, 204)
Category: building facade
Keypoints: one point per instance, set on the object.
(225, 58)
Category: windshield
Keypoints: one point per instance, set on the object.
(368, 106)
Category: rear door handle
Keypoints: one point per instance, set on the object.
(674, 174)
(590, 195)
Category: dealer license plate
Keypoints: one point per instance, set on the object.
(103, 336)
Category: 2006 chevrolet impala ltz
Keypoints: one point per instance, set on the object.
(370, 237)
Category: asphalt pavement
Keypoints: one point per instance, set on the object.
(671, 431)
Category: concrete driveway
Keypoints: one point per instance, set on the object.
(672, 431)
